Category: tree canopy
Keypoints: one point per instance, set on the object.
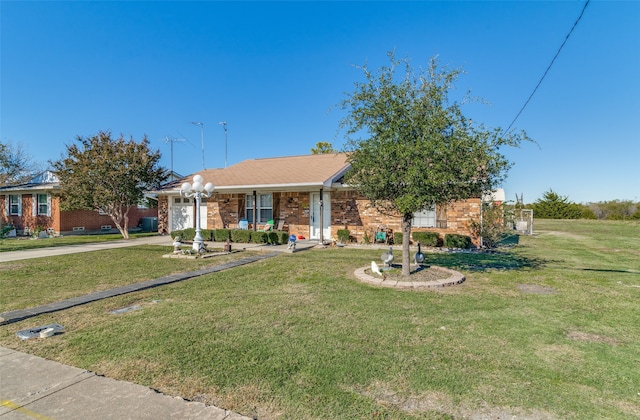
(16, 165)
(554, 206)
(414, 148)
(322, 147)
(108, 175)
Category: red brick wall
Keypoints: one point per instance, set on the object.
(92, 221)
(27, 219)
(348, 210)
(351, 211)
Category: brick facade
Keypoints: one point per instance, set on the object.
(64, 221)
(349, 210)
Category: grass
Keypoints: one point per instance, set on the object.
(19, 244)
(547, 329)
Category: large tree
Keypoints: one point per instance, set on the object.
(108, 175)
(16, 165)
(411, 148)
(322, 147)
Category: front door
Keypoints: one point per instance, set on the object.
(315, 216)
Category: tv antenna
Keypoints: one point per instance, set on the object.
(172, 140)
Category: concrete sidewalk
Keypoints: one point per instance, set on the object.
(150, 240)
(35, 388)
(26, 254)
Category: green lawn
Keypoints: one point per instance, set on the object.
(549, 329)
(19, 244)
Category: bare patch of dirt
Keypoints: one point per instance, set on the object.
(594, 338)
(536, 289)
(9, 267)
(565, 235)
(442, 404)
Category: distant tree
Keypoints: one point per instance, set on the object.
(108, 175)
(615, 209)
(418, 149)
(322, 147)
(16, 165)
(554, 206)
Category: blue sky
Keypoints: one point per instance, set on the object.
(273, 70)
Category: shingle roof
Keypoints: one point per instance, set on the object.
(279, 172)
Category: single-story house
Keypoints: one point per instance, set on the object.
(304, 195)
(36, 205)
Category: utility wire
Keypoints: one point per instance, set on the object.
(549, 67)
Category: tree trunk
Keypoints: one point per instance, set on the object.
(406, 240)
(118, 218)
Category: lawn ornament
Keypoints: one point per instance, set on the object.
(418, 258)
(387, 257)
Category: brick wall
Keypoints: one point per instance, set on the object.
(163, 215)
(92, 221)
(27, 219)
(349, 210)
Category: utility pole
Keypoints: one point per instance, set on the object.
(201, 124)
(224, 125)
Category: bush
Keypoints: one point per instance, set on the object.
(221, 235)
(240, 236)
(188, 234)
(427, 238)
(258, 237)
(343, 235)
(273, 238)
(207, 234)
(453, 240)
(397, 237)
(177, 233)
(283, 237)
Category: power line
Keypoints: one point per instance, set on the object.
(549, 67)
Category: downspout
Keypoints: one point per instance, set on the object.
(321, 218)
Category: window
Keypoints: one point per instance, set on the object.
(43, 204)
(264, 209)
(14, 205)
(425, 218)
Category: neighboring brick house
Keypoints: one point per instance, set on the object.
(304, 194)
(36, 204)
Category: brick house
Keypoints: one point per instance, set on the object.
(36, 204)
(305, 195)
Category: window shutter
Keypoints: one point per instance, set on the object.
(34, 204)
(49, 205)
(7, 198)
(20, 205)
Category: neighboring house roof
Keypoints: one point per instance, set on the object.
(284, 173)
(46, 180)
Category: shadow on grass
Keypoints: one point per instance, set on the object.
(481, 261)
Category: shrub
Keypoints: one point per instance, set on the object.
(207, 234)
(343, 235)
(273, 238)
(427, 238)
(188, 234)
(221, 235)
(397, 237)
(453, 240)
(240, 236)
(258, 237)
(366, 238)
(177, 233)
(283, 237)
